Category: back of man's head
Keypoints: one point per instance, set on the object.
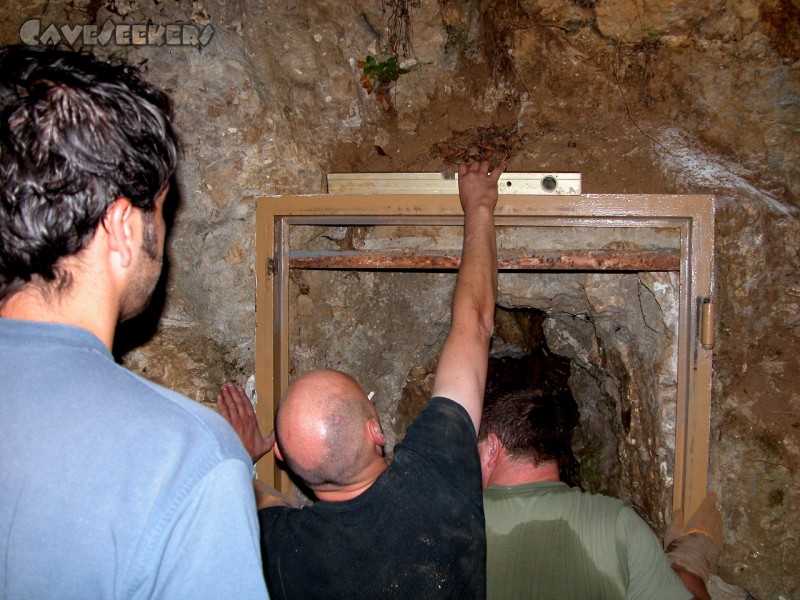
(322, 429)
(76, 133)
(533, 425)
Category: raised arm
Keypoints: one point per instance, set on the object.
(461, 375)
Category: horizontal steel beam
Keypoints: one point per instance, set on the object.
(576, 260)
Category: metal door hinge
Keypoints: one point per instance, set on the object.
(707, 313)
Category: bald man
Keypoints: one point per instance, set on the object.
(412, 529)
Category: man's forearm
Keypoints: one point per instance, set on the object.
(268, 496)
(476, 284)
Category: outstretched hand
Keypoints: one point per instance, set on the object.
(477, 184)
(235, 408)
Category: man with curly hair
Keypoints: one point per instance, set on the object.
(111, 486)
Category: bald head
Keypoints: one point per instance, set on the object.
(327, 430)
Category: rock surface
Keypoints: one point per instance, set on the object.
(664, 96)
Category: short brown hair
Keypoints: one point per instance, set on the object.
(535, 425)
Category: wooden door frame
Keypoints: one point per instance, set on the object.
(692, 215)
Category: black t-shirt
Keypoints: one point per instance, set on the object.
(417, 532)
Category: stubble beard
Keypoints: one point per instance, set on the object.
(148, 271)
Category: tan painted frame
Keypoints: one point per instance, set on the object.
(692, 215)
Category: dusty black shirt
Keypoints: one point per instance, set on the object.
(417, 532)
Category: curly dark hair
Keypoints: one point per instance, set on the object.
(76, 133)
(535, 425)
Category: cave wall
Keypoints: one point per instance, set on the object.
(675, 96)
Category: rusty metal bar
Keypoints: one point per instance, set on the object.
(574, 260)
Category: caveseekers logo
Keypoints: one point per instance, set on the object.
(36, 33)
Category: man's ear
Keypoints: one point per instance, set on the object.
(119, 225)
(494, 447)
(376, 433)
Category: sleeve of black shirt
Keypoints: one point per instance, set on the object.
(444, 436)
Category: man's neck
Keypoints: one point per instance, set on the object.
(348, 492)
(516, 472)
(32, 304)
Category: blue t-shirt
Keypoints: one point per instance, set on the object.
(112, 486)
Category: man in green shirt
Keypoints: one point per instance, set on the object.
(547, 540)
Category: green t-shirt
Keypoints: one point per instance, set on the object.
(549, 541)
